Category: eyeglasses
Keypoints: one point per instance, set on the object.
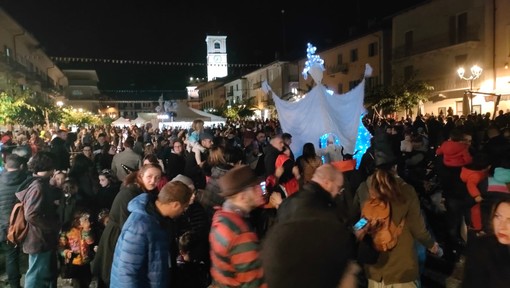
(106, 172)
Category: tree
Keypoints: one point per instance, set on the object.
(401, 95)
(39, 110)
(12, 99)
(239, 110)
(106, 120)
(79, 117)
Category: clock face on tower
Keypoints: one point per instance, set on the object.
(217, 58)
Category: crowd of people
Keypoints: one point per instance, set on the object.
(232, 206)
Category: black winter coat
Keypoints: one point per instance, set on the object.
(119, 213)
(487, 264)
(9, 183)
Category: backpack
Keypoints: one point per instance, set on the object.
(18, 225)
(385, 235)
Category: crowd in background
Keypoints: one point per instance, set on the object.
(97, 189)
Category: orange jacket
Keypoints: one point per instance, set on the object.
(472, 178)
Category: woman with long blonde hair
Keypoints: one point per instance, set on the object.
(398, 265)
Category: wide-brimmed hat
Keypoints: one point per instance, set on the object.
(236, 180)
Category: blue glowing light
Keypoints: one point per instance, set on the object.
(312, 60)
(362, 141)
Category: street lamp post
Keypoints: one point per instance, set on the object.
(476, 71)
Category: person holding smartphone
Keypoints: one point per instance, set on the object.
(398, 266)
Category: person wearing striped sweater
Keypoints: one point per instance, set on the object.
(235, 260)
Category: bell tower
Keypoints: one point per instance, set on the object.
(216, 57)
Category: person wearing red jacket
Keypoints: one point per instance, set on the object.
(476, 175)
(453, 154)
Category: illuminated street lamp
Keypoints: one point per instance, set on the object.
(476, 71)
(60, 104)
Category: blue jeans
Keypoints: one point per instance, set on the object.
(42, 268)
(12, 257)
(421, 251)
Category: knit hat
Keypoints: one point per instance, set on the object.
(205, 135)
(236, 180)
(184, 179)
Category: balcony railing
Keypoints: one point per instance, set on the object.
(434, 43)
(18, 70)
(257, 85)
(332, 69)
(5, 61)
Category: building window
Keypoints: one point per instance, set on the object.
(371, 82)
(458, 28)
(339, 59)
(7, 51)
(462, 28)
(458, 107)
(353, 84)
(217, 45)
(372, 49)
(408, 72)
(354, 55)
(408, 45)
(460, 60)
(507, 40)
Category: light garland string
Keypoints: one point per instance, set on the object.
(144, 62)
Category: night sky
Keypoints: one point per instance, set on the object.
(174, 31)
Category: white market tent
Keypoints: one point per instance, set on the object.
(215, 119)
(121, 122)
(139, 121)
(184, 116)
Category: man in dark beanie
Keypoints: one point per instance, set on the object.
(234, 245)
